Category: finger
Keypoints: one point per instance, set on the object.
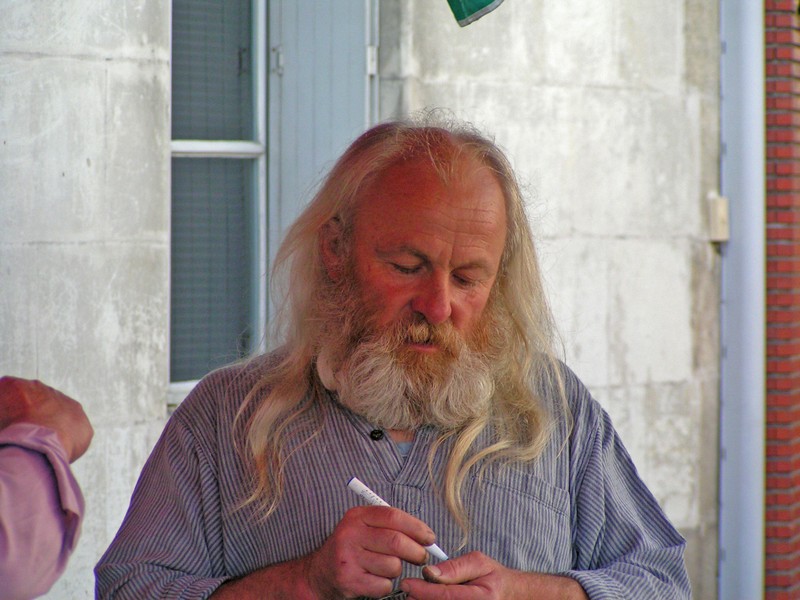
(395, 532)
(460, 570)
(342, 568)
(417, 589)
(432, 574)
(361, 558)
(381, 564)
(386, 517)
(396, 544)
(364, 585)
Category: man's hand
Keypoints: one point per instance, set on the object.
(29, 401)
(360, 558)
(365, 552)
(475, 576)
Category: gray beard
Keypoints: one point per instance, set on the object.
(392, 386)
(373, 383)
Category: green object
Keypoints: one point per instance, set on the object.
(468, 11)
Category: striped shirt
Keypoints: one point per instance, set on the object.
(579, 510)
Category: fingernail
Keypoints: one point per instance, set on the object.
(431, 573)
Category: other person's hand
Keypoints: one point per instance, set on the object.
(31, 401)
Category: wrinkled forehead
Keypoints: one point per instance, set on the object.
(412, 206)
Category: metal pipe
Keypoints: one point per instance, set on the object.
(743, 310)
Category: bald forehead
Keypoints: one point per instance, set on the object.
(411, 206)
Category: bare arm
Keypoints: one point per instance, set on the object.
(287, 580)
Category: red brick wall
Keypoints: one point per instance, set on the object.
(782, 575)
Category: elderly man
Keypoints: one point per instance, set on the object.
(417, 356)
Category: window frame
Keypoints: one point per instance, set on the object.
(256, 151)
(266, 150)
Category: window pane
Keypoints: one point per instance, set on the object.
(212, 264)
(212, 92)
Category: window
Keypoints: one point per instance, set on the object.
(218, 184)
(265, 95)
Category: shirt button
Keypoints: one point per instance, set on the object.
(376, 434)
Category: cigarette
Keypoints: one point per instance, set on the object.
(372, 498)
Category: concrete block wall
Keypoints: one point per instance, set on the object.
(610, 115)
(84, 226)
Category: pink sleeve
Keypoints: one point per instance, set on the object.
(41, 509)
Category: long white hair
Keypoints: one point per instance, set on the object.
(520, 420)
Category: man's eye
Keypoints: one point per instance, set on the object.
(406, 270)
(464, 281)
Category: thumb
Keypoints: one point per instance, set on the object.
(450, 572)
(432, 574)
(459, 570)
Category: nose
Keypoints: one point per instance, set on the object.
(433, 300)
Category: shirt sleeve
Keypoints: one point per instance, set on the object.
(41, 510)
(169, 544)
(623, 544)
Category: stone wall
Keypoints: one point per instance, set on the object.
(84, 226)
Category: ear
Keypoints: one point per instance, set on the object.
(331, 248)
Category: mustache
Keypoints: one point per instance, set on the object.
(419, 331)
